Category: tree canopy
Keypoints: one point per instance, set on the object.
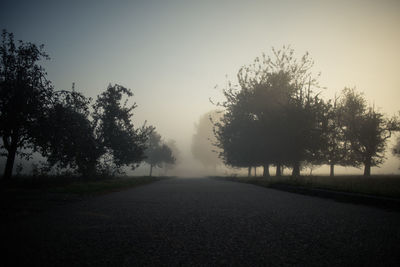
(114, 128)
(24, 94)
(272, 116)
(366, 129)
(69, 140)
(276, 115)
(157, 153)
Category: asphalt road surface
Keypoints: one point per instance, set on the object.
(204, 222)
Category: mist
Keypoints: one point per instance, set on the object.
(176, 55)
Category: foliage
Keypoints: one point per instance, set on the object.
(157, 152)
(273, 114)
(233, 131)
(366, 129)
(124, 144)
(336, 149)
(24, 94)
(69, 139)
(93, 143)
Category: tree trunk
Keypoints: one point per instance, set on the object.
(367, 168)
(249, 172)
(296, 170)
(151, 170)
(255, 171)
(332, 172)
(10, 161)
(266, 170)
(278, 170)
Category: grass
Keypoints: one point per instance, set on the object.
(25, 196)
(377, 185)
(104, 186)
(73, 185)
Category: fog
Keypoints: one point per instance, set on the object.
(176, 55)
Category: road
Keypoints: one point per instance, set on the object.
(203, 222)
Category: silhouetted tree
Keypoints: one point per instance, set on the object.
(65, 135)
(235, 131)
(24, 93)
(203, 140)
(366, 129)
(335, 147)
(124, 145)
(274, 111)
(157, 152)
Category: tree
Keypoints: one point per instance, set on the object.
(396, 148)
(65, 135)
(273, 110)
(101, 142)
(124, 145)
(366, 129)
(336, 148)
(24, 94)
(269, 108)
(234, 131)
(171, 143)
(203, 140)
(157, 153)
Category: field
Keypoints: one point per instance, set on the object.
(379, 185)
(27, 195)
(74, 185)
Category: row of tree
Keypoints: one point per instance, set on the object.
(275, 115)
(64, 126)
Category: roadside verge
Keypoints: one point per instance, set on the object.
(296, 186)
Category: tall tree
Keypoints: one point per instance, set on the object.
(366, 129)
(65, 135)
(235, 132)
(24, 93)
(268, 107)
(157, 152)
(124, 143)
(335, 149)
(277, 107)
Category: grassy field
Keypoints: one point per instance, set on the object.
(26, 196)
(379, 185)
(73, 185)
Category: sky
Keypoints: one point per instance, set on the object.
(172, 54)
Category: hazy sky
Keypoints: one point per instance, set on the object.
(173, 53)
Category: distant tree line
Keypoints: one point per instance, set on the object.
(64, 126)
(203, 139)
(275, 115)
